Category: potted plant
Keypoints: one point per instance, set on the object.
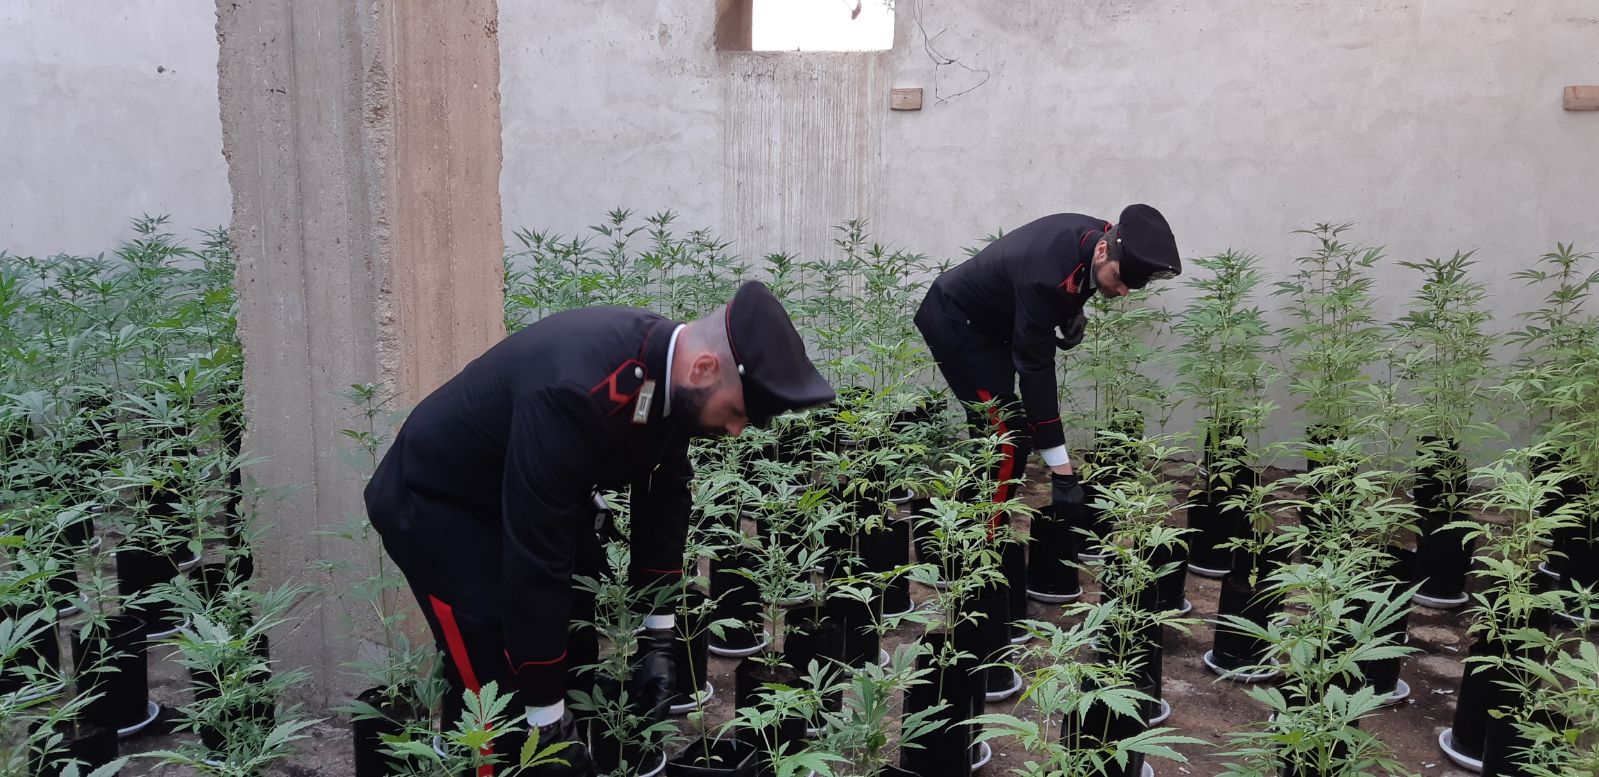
(1516, 605)
(1089, 713)
(858, 738)
(1222, 369)
(1448, 367)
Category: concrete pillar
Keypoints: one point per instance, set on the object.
(363, 149)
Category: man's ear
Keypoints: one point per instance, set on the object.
(705, 371)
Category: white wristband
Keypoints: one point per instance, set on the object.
(1055, 456)
(539, 717)
(660, 621)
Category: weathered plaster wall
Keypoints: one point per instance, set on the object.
(1436, 126)
(363, 142)
(109, 111)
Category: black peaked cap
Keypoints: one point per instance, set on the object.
(1145, 247)
(770, 356)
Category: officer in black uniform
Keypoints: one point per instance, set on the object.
(485, 500)
(993, 319)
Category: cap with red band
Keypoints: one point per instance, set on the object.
(770, 356)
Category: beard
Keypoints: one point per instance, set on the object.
(688, 405)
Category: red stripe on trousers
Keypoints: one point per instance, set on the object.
(463, 664)
(1007, 467)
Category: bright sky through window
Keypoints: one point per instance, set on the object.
(822, 25)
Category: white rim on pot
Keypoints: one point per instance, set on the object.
(1160, 717)
(154, 711)
(1446, 743)
(1543, 566)
(1576, 620)
(1187, 607)
(172, 632)
(1005, 693)
(660, 767)
(194, 561)
(1439, 604)
(1054, 598)
(1089, 558)
(740, 652)
(700, 697)
(1147, 771)
(985, 753)
(1239, 675)
(1206, 571)
(906, 611)
(51, 691)
(1400, 693)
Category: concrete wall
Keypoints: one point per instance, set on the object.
(110, 111)
(1435, 126)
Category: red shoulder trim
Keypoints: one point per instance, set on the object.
(620, 387)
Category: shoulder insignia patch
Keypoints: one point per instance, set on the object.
(620, 387)
(1074, 282)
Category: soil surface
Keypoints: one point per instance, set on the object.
(1203, 705)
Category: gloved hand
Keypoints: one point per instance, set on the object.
(1073, 332)
(654, 681)
(1066, 494)
(576, 755)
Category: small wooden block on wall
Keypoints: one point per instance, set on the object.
(1582, 98)
(909, 99)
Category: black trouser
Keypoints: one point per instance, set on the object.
(469, 633)
(979, 369)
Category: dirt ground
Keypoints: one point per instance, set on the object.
(1203, 706)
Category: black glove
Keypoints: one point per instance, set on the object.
(1066, 494)
(1073, 332)
(576, 755)
(654, 680)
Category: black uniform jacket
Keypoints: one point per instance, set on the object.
(486, 492)
(1017, 290)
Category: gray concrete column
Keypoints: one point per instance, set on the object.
(363, 149)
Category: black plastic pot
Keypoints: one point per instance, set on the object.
(1098, 729)
(987, 637)
(43, 652)
(737, 598)
(813, 634)
(1383, 675)
(1171, 587)
(368, 733)
(1051, 546)
(1481, 689)
(1013, 563)
(609, 754)
(1443, 556)
(1222, 477)
(887, 549)
(855, 620)
(726, 757)
(748, 678)
(1232, 650)
(115, 666)
(92, 746)
(139, 571)
(1582, 560)
(945, 750)
(1504, 748)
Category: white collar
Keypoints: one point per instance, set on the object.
(671, 347)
